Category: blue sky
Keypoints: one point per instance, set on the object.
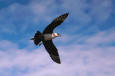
(86, 48)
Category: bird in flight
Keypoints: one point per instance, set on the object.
(47, 36)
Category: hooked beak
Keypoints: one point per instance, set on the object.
(59, 35)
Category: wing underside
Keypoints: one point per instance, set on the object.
(52, 50)
(56, 22)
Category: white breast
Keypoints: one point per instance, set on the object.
(49, 36)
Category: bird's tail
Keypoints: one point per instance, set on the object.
(37, 39)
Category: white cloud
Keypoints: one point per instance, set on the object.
(85, 12)
(103, 37)
(76, 60)
(101, 10)
(5, 44)
(46, 10)
(18, 16)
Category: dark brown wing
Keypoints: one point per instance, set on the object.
(55, 23)
(52, 50)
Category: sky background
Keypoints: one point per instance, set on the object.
(86, 45)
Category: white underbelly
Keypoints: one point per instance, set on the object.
(48, 36)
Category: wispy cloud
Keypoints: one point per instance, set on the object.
(5, 44)
(82, 12)
(75, 61)
(22, 17)
(104, 38)
(87, 11)
(79, 59)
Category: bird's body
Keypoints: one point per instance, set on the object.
(50, 36)
(47, 36)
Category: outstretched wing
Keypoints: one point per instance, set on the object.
(55, 23)
(52, 50)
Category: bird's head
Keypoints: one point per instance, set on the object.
(57, 35)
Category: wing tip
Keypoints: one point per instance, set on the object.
(55, 59)
(66, 14)
(58, 62)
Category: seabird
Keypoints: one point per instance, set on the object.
(47, 36)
